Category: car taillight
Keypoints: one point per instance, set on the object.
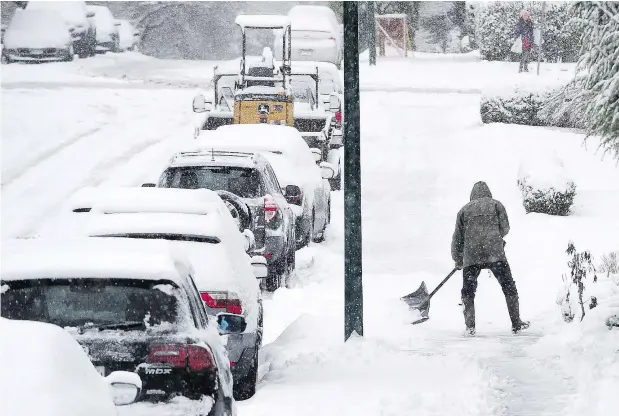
(338, 119)
(270, 208)
(193, 356)
(223, 300)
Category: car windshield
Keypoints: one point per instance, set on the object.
(92, 302)
(244, 182)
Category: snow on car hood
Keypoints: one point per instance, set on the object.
(37, 29)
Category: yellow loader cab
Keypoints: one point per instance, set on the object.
(263, 93)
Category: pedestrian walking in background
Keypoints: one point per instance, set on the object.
(478, 244)
(524, 33)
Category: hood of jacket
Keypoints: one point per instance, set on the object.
(480, 190)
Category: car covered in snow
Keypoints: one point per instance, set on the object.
(293, 163)
(197, 223)
(37, 35)
(316, 34)
(249, 176)
(107, 26)
(128, 36)
(56, 376)
(78, 18)
(329, 82)
(132, 305)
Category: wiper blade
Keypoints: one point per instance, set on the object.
(121, 325)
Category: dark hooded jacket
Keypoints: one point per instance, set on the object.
(480, 228)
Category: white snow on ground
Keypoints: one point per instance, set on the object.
(423, 147)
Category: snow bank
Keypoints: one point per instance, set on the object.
(178, 406)
(544, 185)
(46, 372)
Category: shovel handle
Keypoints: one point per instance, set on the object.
(442, 283)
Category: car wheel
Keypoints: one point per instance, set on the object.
(246, 387)
(276, 271)
(222, 405)
(320, 237)
(336, 182)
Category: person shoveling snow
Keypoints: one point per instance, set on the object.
(478, 244)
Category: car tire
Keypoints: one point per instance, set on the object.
(319, 238)
(222, 406)
(336, 182)
(276, 271)
(245, 388)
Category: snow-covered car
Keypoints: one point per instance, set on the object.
(294, 163)
(128, 36)
(131, 304)
(56, 376)
(37, 35)
(315, 34)
(106, 26)
(250, 177)
(329, 82)
(196, 222)
(78, 18)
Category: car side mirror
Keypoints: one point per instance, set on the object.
(317, 153)
(327, 170)
(149, 185)
(293, 194)
(334, 103)
(229, 323)
(90, 14)
(259, 267)
(200, 105)
(126, 387)
(250, 240)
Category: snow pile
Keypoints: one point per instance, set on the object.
(177, 406)
(545, 186)
(46, 372)
(37, 29)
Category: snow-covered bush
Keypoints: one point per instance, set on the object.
(564, 107)
(514, 107)
(495, 24)
(609, 264)
(581, 269)
(544, 186)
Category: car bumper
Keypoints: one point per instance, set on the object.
(28, 55)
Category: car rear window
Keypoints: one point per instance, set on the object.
(244, 182)
(83, 302)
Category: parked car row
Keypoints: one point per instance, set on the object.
(59, 30)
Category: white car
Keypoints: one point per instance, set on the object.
(77, 17)
(107, 29)
(316, 34)
(46, 372)
(128, 36)
(37, 35)
(198, 223)
(294, 164)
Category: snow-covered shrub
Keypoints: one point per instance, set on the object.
(514, 107)
(564, 107)
(581, 268)
(495, 24)
(544, 186)
(609, 264)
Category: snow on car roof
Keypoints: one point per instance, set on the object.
(45, 371)
(262, 21)
(134, 199)
(91, 258)
(212, 157)
(72, 11)
(155, 223)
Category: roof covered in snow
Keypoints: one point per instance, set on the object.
(91, 258)
(263, 21)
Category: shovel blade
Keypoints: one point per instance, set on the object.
(419, 302)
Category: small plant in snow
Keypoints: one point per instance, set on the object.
(609, 263)
(581, 268)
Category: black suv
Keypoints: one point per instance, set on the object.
(250, 177)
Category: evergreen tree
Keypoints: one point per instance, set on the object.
(598, 68)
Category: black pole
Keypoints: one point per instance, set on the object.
(371, 16)
(353, 287)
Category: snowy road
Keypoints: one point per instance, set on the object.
(419, 161)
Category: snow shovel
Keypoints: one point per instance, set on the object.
(419, 300)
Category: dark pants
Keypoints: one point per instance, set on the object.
(525, 57)
(503, 274)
